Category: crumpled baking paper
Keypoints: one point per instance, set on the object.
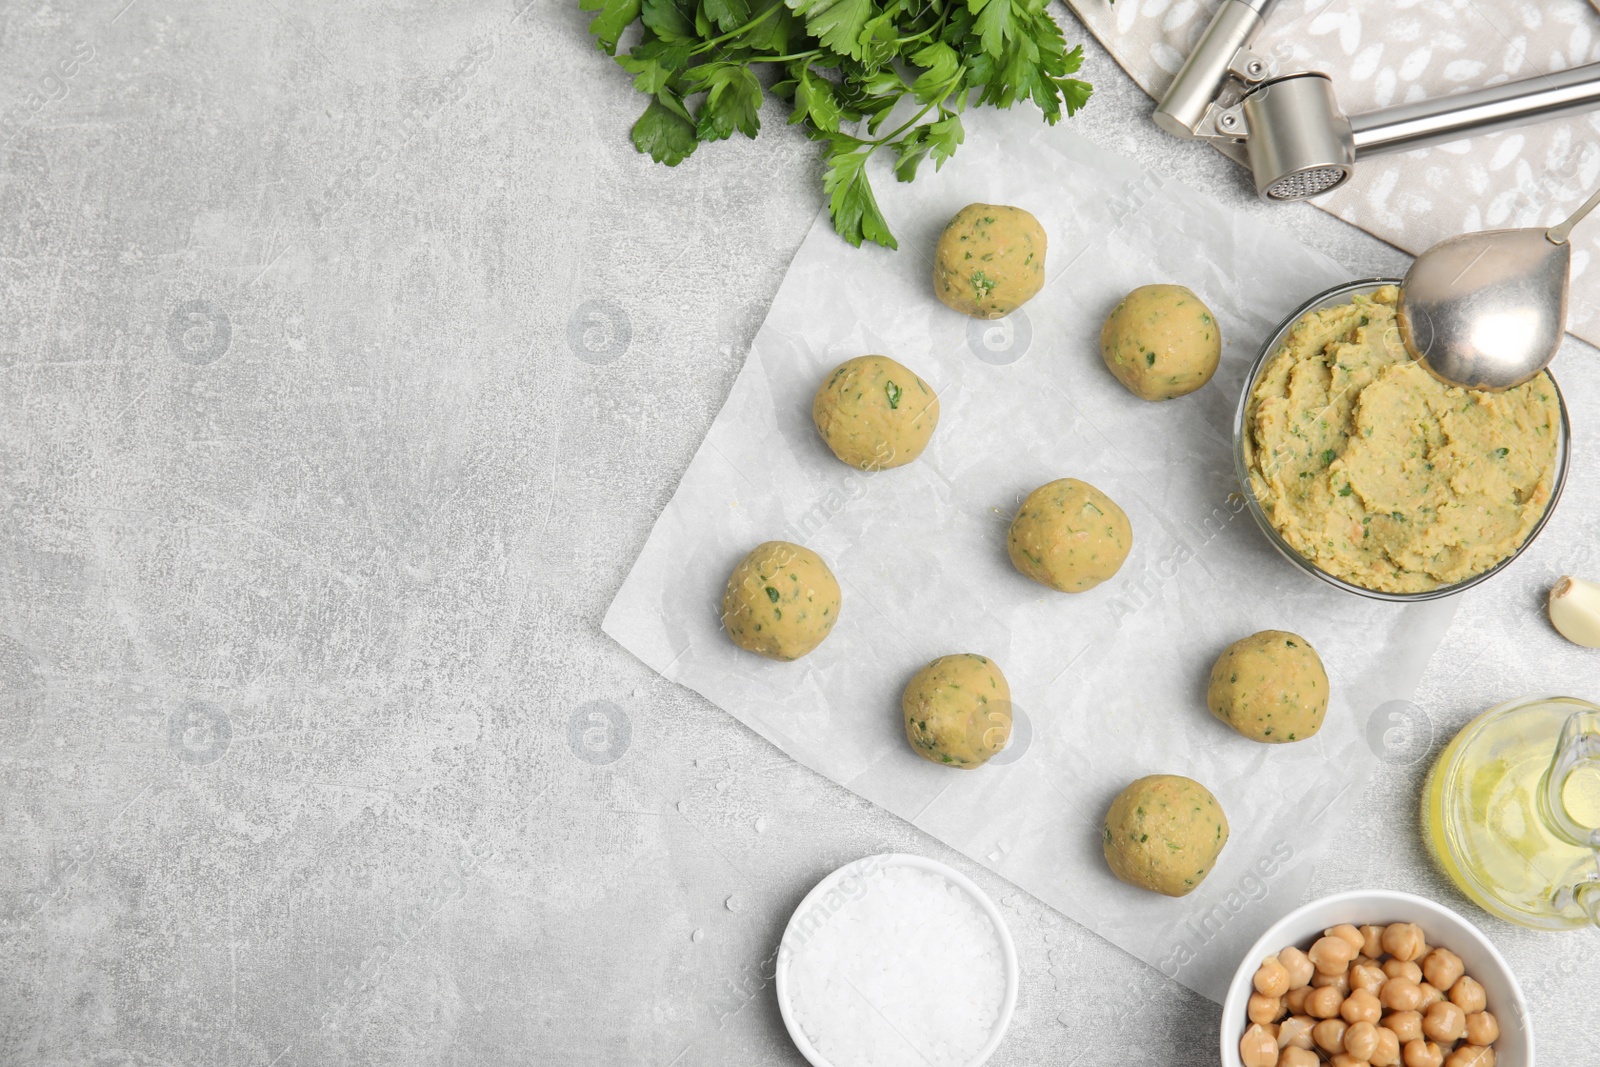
(1109, 684)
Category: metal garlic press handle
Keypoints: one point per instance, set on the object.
(1290, 130)
(1448, 118)
(1222, 51)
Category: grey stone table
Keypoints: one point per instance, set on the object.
(312, 750)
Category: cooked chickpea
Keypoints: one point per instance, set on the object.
(1346, 932)
(1403, 969)
(1401, 994)
(1329, 1035)
(1368, 996)
(1341, 982)
(1361, 1007)
(1466, 994)
(1258, 1048)
(1482, 1028)
(1471, 1056)
(1331, 955)
(1404, 941)
(1324, 1003)
(1264, 1009)
(1407, 1025)
(1442, 967)
(1295, 1031)
(1444, 1022)
(1367, 977)
(1298, 1057)
(1272, 978)
(1361, 1040)
(1421, 1053)
(1388, 1052)
(1299, 966)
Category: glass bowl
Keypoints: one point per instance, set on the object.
(1342, 294)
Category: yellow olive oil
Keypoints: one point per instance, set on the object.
(1486, 821)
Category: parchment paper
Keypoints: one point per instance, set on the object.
(1110, 683)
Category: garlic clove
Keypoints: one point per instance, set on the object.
(1575, 611)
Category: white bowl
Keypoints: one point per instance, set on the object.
(1378, 907)
(826, 895)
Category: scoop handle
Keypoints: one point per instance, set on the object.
(1558, 234)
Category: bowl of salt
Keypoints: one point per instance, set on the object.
(896, 960)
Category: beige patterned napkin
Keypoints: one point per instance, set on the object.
(1383, 52)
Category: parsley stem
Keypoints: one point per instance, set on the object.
(914, 119)
(747, 27)
(944, 16)
(785, 59)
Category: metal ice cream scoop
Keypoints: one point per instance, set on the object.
(1488, 310)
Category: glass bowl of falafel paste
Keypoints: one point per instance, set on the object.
(1368, 473)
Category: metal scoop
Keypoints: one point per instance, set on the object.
(1488, 310)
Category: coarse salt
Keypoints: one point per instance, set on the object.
(895, 966)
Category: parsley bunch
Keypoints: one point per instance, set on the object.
(838, 61)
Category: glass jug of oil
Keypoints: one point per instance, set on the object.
(1511, 812)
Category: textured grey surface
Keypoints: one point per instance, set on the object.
(312, 749)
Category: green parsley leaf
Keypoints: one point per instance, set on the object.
(663, 132)
(850, 201)
(770, 31)
(727, 14)
(654, 64)
(732, 99)
(941, 65)
(814, 100)
(670, 20)
(614, 17)
(996, 23)
(836, 23)
(936, 140)
(703, 63)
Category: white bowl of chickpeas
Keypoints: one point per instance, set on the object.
(1374, 978)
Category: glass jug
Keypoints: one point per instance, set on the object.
(1511, 812)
